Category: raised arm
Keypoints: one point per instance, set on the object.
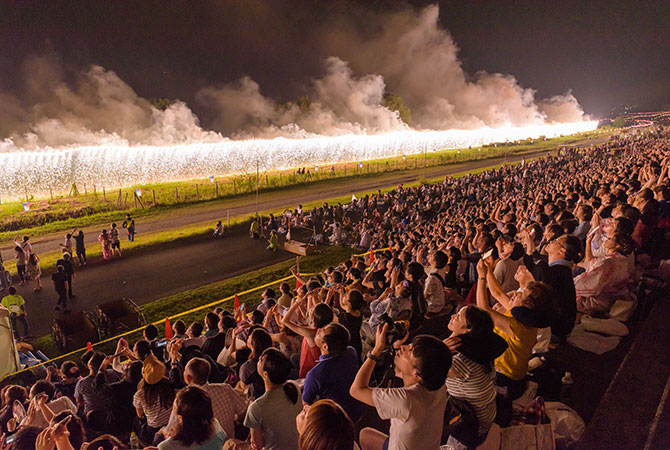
(499, 320)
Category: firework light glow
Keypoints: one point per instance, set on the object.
(55, 169)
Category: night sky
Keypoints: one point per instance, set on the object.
(608, 53)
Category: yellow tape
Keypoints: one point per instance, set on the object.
(181, 314)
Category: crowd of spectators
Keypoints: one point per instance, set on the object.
(466, 282)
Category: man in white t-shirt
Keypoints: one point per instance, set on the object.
(417, 409)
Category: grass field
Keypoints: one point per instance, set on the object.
(89, 205)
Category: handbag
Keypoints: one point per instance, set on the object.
(460, 421)
(533, 432)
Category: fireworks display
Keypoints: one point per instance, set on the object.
(38, 172)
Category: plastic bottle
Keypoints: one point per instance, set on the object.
(566, 387)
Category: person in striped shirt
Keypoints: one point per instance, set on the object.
(475, 346)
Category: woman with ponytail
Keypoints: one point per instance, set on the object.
(196, 428)
(271, 418)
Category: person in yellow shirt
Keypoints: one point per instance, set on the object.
(531, 307)
(273, 241)
(17, 311)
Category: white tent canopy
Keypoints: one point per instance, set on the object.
(9, 358)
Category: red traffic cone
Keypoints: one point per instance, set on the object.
(89, 347)
(168, 329)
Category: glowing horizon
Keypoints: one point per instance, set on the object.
(114, 166)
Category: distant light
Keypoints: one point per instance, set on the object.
(211, 179)
(138, 192)
(403, 156)
(458, 151)
(479, 149)
(26, 206)
(316, 168)
(360, 164)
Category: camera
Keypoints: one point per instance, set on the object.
(395, 331)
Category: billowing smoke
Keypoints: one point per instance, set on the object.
(97, 108)
(419, 60)
(407, 54)
(343, 104)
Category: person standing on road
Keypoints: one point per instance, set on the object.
(66, 246)
(79, 247)
(20, 256)
(68, 265)
(60, 285)
(17, 312)
(129, 225)
(253, 229)
(116, 241)
(34, 272)
(25, 245)
(106, 243)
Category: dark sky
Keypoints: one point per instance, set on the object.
(608, 52)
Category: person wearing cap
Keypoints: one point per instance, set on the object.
(153, 400)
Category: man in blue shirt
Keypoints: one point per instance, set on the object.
(337, 367)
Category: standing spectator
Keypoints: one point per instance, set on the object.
(21, 260)
(66, 246)
(325, 426)
(60, 285)
(254, 228)
(196, 428)
(106, 244)
(17, 311)
(25, 245)
(416, 410)
(80, 248)
(152, 401)
(34, 272)
(336, 370)
(218, 230)
(271, 417)
(129, 225)
(68, 265)
(116, 241)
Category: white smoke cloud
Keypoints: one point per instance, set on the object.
(340, 104)
(409, 54)
(99, 109)
(419, 60)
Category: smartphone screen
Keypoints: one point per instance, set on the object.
(18, 411)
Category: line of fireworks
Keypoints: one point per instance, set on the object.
(39, 172)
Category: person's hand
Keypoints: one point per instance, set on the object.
(45, 440)
(59, 430)
(482, 268)
(3, 442)
(31, 414)
(11, 425)
(452, 343)
(380, 339)
(41, 400)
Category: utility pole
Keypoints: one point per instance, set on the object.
(257, 178)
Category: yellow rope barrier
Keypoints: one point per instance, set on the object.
(181, 314)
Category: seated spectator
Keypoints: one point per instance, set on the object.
(121, 409)
(285, 297)
(320, 316)
(606, 278)
(529, 308)
(90, 392)
(258, 341)
(194, 335)
(325, 426)
(335, 371)
(196, 428)
(152, 401)
(42, 395)
(416, 410)
(227, 403)
(73, 424)
(9, 395)
(470, 378)
(272, 416)
(214, 344)
(70, 376)
(212, 323)
(352, 303)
